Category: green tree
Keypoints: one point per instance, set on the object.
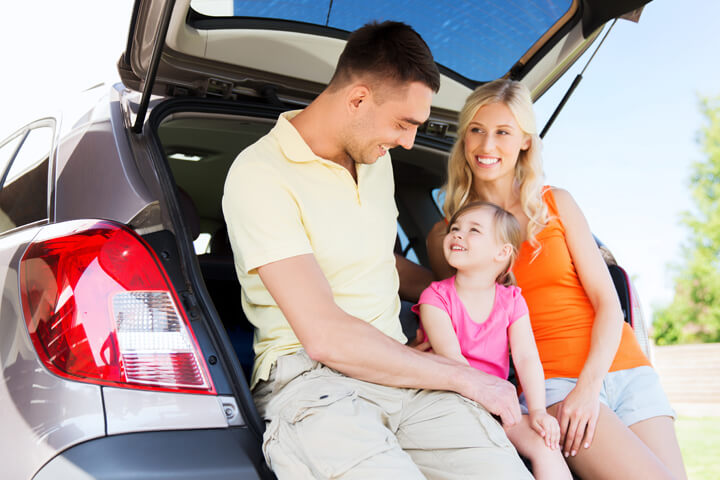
(694, 314)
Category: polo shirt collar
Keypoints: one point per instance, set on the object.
(290, 140)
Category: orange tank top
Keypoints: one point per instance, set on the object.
(560, 312)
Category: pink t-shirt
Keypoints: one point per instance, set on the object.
(484, 344)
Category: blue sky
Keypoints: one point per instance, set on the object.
(622, 146)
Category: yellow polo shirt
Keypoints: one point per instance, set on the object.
(281, 200)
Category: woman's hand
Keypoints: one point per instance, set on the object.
(547, 427)
(577, 416)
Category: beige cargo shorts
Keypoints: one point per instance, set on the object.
(322, 425)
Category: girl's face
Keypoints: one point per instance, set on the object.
(493, 142)
(472, 242)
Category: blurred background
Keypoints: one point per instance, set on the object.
(638, 146)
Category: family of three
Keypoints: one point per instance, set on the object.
(312, 221)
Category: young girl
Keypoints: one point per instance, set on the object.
(470, 317)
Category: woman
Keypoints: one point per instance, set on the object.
(615, 419)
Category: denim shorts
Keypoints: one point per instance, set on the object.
(634, 394)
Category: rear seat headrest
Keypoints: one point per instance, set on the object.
(220, 243)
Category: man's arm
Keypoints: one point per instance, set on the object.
(357, 349)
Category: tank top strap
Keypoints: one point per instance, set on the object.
(549, 200)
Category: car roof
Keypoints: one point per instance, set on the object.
(288, 49)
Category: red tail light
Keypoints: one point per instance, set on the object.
(100, 309)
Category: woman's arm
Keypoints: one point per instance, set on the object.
(442, 337)
(436, 256)
(414, 278)
(578, 412)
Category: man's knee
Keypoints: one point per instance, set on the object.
(331, 431)
(451, 435)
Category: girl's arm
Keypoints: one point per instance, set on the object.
(440, 332)
(527, 363)
(579, 411)
(532, 378)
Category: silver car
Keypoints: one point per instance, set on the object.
(123, 347)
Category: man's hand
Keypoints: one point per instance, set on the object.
(496, 395)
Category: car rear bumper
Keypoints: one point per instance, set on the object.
(218, 454)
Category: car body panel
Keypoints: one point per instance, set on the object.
(117, 188)
(131, 410)
(45, 414)
(99, 174)
(171, 455)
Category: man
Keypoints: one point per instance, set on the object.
(312, 222)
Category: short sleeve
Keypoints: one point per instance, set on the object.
(433, 295)
(263, 217)
(519, 307)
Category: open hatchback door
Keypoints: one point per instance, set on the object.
(288, 49)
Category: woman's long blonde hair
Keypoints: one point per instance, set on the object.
(529, 176)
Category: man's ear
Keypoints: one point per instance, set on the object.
(504, 253)
(356, 95)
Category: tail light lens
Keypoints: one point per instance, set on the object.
(99, 308)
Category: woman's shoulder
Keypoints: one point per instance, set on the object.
(560, 195)
(563, 201)
(557, 199)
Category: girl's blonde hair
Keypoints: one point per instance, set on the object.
(529, 175)
(507, 231)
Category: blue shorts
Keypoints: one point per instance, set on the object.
(634, 394)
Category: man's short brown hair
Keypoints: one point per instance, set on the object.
(391, 51)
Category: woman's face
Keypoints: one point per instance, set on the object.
(493, 142)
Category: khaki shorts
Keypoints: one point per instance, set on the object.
(322, 424)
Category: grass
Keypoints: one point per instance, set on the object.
(700, 444)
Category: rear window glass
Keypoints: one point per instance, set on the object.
(7, 152)
(479, 39)
(24, 193)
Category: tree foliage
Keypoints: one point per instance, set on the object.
(694, 314)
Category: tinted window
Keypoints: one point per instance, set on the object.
(23, 198)
(406, 246)
(7, 151)
(479, 39)
(438, 196)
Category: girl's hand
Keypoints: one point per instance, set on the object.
(418, 343)
(577, 416)
(547, 427)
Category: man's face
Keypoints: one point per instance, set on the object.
(393, 121)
